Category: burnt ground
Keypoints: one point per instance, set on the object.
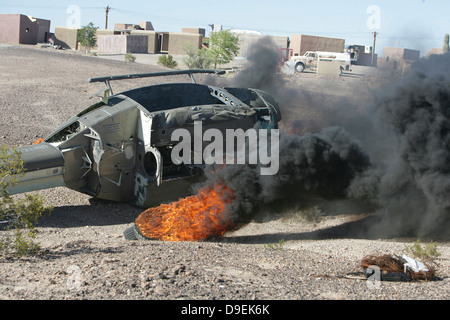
(306, 251)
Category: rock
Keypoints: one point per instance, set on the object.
(178, 269)
(159, 290)
(162, 276)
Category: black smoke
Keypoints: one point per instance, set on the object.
(396, 153)
(412, 182)
(262, 69)
(322, 162)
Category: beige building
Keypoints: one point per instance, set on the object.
(66, 37)
(398, 58)
(122, 44)
(22, 29)
(176, 43)
(246, 41)
(301, 43)
(142, 25)
(362, 55)
(152, 39)
(156, 42)
(200, 31)
(434, 51)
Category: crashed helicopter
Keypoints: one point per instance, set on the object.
(119, 148)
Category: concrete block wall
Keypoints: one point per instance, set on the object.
(121, 44)
(9, 26)
(246, 41)
(66, 37)
(111, 44)
(136, 44)
(43, 30)
(152, 36)
(178, 41)
(104, 32)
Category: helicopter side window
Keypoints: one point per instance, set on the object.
(66, 133)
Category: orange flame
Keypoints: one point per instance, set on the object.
(190, 219)
(38, 141)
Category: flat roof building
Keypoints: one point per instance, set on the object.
(398, 58)
(22, 29)
(300, 43)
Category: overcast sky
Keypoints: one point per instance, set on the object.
(413, 24)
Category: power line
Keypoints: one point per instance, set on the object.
(389, 37)
(142, 14)
(266, 29)
(47, 7)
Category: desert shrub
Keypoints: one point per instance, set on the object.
(18, 215)
(198, 59)
(429, 252)
(167, 61)
(275, 246)
(129, 57)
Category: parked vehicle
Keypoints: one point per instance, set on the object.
(310, 58)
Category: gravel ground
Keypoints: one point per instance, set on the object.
(278, 255)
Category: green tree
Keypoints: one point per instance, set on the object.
(18, 215)
(223, 46)
(87, 36)
(446, 40)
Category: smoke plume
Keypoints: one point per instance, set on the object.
(412, 183)
(323, 162)
(396, 153)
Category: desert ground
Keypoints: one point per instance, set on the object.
(281, 254)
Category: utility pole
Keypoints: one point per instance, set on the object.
(106, 21)
(373, 48)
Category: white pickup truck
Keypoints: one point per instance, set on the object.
(310, 58)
